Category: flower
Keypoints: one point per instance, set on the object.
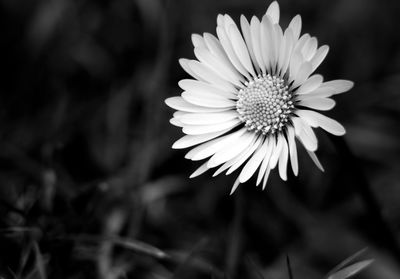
(253, 93)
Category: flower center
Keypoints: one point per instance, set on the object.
(264, 104)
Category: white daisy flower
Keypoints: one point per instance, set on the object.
(253, 93)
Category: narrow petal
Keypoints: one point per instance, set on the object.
(204, 129)
(295, 26)
(240, 49)
(245, 155)
(309, 49)
(209, 148)
(255, 29)
(305, 134)
(273, 12)
(231, 151)
(218, 66)
(319, 56)
(185, 66)
(226, 44)
(267, 45)
(283, 160)
(276, 153)
(266, 175)
(235, 185)
(318, 103)
(311, 84)
(245, 26)
(338, 86)
(293, 151)
(303, 73)
(285, 51)
(254, 162)
(265, 162)
(206, 74)
(315, 160)
(315, 119)
(198, 40)
(179, 103)
(207, 100)
(202, 169)
(208, 118)
(199, 88)
(191, 140)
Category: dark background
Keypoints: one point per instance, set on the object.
(88, 179)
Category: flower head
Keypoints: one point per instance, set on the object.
(253, 93)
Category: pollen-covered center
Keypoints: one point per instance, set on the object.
(265, 104)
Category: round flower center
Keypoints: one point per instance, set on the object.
(264, 104)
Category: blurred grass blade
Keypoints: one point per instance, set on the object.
(347, 261)
(140, 246)
(40, 265)
(289, 267)
(350, 270)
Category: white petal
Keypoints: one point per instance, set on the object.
(208, 118)
(320, 92)
(319, 56)
(283, 159)
(318, 103)
(201, 88)
(338, 86)
(254, 162)
(315, 160)
(180, 104)
(266, 175)
(231, 151)
(273, 12)
(267, 45)
(255, 29)
(209, 148)
(310, 48)
(185, 65)
(311, 84)
(315, 119)
(216, 49)
(204, 129)
(293, 151)
(207, 100)
(191, 140)
(294, 65)
(276, 153)
(176, 122)
(277, 39)
(227, 46)
(295, 26)
(198, 40)
(238, 160)
(240, 49)
(229, 73)
(303, 73)
(208, 75)
(245, 155)
(285, 51)
(305, 134)
(265, 162)
(244, 24)
(234, 187)
(202, 169)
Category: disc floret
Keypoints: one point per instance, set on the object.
(265, 104)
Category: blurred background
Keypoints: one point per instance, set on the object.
(90, 188)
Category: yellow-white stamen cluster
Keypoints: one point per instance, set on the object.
(265, 104)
